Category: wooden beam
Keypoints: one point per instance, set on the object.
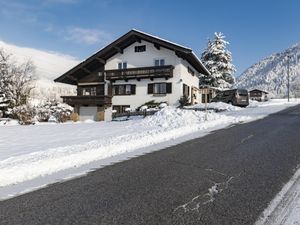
(86, 70)
(119, 49)
(157, 46)
(101, 60)
(178, 55)
(71, 78)
(137, 39)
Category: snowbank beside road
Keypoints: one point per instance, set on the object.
(219, 106)
(41, 151)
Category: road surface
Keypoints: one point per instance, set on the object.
(227, 177)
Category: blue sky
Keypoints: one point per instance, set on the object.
(255, 29)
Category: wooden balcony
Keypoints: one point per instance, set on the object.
(87, 100)
(140, 73)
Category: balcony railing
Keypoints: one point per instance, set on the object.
(87, 100)
(140, 73)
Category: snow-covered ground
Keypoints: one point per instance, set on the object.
(285, 207)
(34, 156)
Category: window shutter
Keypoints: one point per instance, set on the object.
(169, 88)
(133, 89)
(150, 88)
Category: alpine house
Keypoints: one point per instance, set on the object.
(134, 69)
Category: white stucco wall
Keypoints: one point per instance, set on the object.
(146, 59)
(142, 95)
(142, 59)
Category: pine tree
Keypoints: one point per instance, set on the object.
(217, 60)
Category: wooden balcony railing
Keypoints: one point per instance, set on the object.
(140, 73)
(87, 100)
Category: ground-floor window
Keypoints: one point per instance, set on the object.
(186, 90)
(120, 108)
(124, 89)
(207, 96)
(88, 91)
(160, 88)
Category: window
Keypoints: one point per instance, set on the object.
(121, 108)
(89, 91)
(124, 89)
(186, 90)
(159, 62)
(206, 98)
(191, 71)
(122, 65)
(140, 48)
(160, 88)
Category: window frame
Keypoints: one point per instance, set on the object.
(161, 91)
(121, 64)
(128, 89)
(159, 60)
(139, 48)
(92, 91)
(186, 90)
(120, 108)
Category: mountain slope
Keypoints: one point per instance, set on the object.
(49, 65)
(270, 74)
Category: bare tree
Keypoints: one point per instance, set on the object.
(295, 87)
(16, 79)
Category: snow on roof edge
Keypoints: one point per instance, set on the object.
(151, 35)
(201, 62)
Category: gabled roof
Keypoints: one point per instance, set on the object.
(98, 60)
(259, 91)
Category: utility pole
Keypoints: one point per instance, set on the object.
(288, 73)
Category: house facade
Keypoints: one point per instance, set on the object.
(258, 95)
(135, 69)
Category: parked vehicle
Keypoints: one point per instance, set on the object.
(237, 97)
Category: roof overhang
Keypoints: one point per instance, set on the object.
(98, 60)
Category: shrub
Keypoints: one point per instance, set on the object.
(184, 101)
(23, 113)
(74, 117)
(150, 105)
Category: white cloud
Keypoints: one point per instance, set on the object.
(88, 36)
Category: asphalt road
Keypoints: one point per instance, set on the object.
(245, 166)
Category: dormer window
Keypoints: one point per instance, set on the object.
(140, 48)
(159, 62)
(122, 65)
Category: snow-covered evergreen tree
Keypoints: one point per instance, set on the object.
(218, 61)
